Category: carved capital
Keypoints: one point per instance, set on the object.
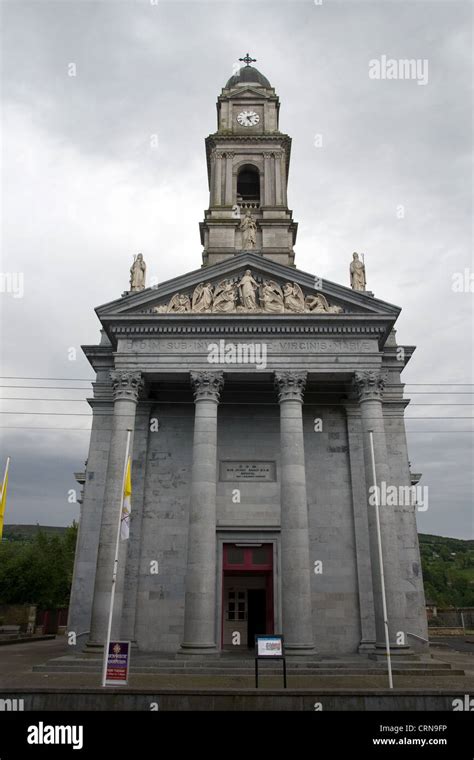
(126, 386)
(219, 154)
(230, 155)
(207, 385)
(369, 384)
(290, 385)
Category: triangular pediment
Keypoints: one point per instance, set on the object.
(247, 284)
(249, 92)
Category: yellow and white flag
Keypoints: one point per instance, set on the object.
(127, 504)
(3, 498)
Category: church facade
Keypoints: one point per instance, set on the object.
(250, 389)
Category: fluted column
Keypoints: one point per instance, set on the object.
(295, 559)
(200, 598)
(126, 389)
(369, 386)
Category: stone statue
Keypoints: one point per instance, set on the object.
(179, 304)
(230, 296)
(225, 297)
(271, 297)
(202, 297)
(317, 304)
(249, 230)
(358, 281)
(247, 291)
(137, 274)
(294, 298)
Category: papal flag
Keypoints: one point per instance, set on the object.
(127, 504)
(3, 498)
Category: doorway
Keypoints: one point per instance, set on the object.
(256, 614)
(247, 594)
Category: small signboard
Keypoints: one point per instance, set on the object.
(269, 647)
(118, 663)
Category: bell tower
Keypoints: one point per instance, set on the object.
(248, 160)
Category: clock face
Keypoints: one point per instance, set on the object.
(248, 118)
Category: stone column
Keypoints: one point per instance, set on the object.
(228, 179)
(295, 559)
(361, 527)
(126, 389)
(217, 188)
(200, 597)
(369, 385)
(278, 180)
(283, 178)
(267, 179)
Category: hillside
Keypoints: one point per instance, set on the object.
(448, 563)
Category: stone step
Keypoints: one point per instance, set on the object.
(186, 665)
(223, 671)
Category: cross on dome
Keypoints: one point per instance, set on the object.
(248, 60)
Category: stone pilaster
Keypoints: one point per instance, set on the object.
(369, 386)
(219, 161)
(295, 559)
(229, 158)
(126, 389)
(200, 597)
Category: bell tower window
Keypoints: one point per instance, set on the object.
(248, 184)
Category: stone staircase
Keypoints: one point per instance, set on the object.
(148, 664)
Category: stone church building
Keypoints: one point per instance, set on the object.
(250, 388)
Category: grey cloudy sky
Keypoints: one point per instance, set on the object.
(83, 189)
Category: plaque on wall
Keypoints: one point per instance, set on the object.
(247, 471)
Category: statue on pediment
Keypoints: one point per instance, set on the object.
(271, 297)
(225, 297)
(202, 297)
(248, 291)
(179, 304)
(137, 274)
(317, 304)
(248, 226)
(293, 296)
(357, 272)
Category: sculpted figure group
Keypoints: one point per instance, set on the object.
(246, 295)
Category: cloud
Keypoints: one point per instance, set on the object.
(84, 189)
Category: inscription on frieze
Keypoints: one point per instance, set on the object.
(317, 346)
(247, 471)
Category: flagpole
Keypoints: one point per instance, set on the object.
(2, 516)
(382, 577)
(114, 574)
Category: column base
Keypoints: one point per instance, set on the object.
(93, 647)
(399, 652)
(197, 650)
(366, 646)
(300, 650)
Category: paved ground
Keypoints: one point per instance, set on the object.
(17, 660)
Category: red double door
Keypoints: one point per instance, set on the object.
(247, 594)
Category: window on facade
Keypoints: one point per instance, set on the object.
(248, 184)
(260, 555)
(235, 555)
(236, 605)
